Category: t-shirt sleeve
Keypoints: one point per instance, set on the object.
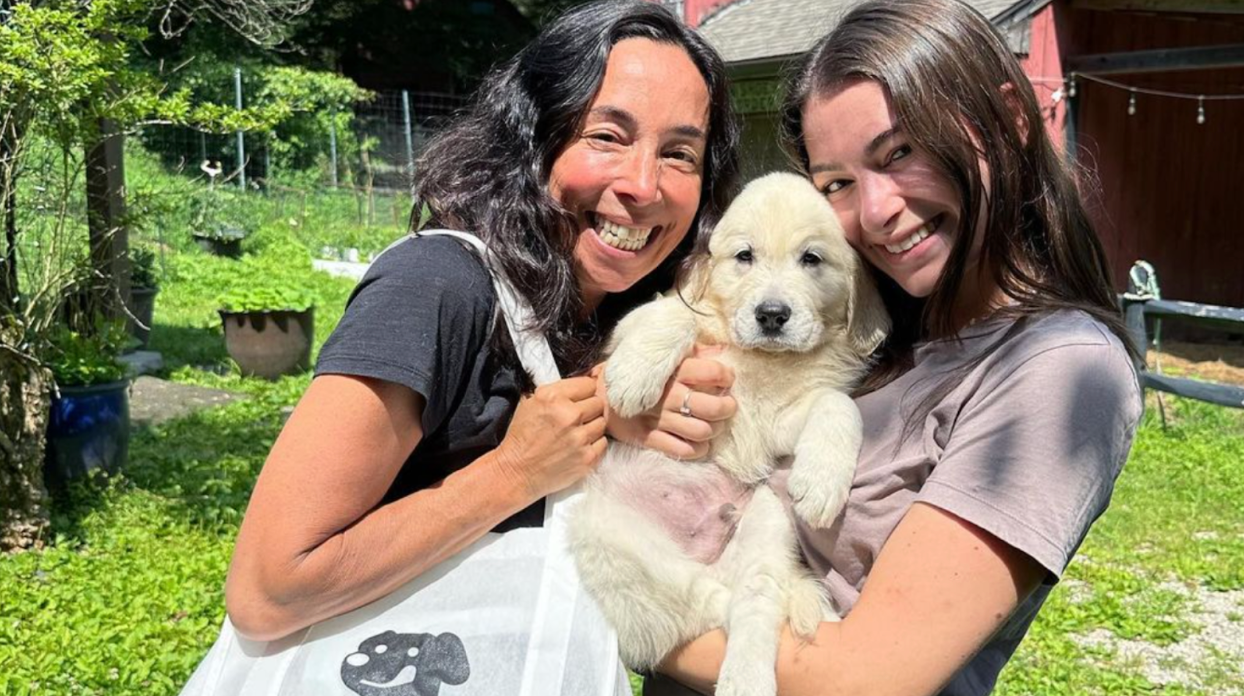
(420, 317)
(1034, 454)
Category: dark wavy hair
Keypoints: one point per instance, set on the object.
(488, 172)
(944, 66)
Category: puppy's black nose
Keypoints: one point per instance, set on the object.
(772, 316)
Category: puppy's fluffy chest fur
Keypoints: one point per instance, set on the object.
(797, 316)
(776, 393)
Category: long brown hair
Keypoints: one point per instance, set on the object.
(961, 97)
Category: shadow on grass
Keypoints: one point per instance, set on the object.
(185, 345)
(71, 505)
(202, 465)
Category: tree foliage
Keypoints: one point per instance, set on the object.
(63, 66)
(66, 67)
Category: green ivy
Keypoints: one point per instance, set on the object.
(267, 299)
(87, 358)
(142, 268)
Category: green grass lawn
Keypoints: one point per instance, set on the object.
(127, 597)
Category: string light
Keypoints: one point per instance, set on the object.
(1068, 84)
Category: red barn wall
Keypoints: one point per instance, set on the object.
(697, 10)
(1171, 191)
(1044, 67)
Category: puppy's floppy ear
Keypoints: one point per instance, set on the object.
(693, 285)
(868, 322)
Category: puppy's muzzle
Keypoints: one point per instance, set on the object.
(772, 316)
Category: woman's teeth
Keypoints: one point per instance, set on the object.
(920, 235)
(620, 237)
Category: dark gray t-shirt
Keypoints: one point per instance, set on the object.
(421, 317)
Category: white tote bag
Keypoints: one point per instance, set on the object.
(506, 616)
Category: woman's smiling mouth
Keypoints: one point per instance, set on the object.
(620, 236)
(924, 232)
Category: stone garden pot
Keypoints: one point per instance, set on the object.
(228, 247)
(272, 343)
(88, 428)
(142, 306)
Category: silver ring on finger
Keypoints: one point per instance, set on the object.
(685, 409)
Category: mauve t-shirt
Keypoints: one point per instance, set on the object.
(1027, 446)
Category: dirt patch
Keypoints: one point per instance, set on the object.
(1211, 362)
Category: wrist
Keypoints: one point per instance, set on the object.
(508, 471)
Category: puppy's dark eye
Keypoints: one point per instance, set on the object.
(744, 256)
(810, 259)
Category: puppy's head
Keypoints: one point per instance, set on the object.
(780, 272)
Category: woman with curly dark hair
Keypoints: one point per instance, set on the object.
(589, 164)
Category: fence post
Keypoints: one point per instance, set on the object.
(332, 145)
(410, 138)
(1134, 316)
(1142, 286)
(237, 93)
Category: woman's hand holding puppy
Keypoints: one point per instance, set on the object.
(694, 409)
(556, 438)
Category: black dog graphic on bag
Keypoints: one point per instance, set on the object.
(383, 664)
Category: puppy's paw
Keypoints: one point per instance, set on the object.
(816, 500)
(710, 599)
(746, 678)
(808, 607)
(633, 382)
(750, 468)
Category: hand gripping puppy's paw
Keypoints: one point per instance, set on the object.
(817, 500)
(633, 384)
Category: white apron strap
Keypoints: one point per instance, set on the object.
(560, 589)
(533, 350)
(532, 347)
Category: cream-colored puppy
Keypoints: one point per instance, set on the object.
(798, 315)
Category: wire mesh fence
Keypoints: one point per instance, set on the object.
(344, 187)
(378, 148)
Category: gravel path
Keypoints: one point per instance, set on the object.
(1215, 653)
(153, 400)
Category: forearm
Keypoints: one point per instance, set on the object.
(940, 588)
(832, 664)
(697, 664)
(316, 542)
(813, 668)
(396, 543)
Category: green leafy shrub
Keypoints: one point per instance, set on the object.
(224, 231)
(277, 278)
(266, 299)
(216, 212)
(142, 268)
(81, 359)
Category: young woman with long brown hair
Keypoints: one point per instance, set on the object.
(1003, 406)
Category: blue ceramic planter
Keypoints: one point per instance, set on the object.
(88, 428)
